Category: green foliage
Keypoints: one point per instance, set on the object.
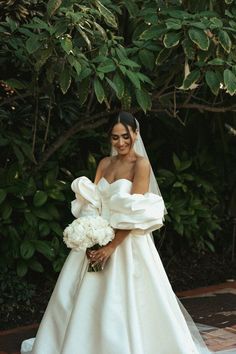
(14, 289)
(31, 220)
(192, 200)
(66, 67)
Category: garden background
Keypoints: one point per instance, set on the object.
(66, 67)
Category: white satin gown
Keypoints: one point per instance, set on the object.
(129, 307)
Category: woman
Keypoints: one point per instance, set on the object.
(128, 307)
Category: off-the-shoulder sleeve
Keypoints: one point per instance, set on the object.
(87, 200)
(142, 213)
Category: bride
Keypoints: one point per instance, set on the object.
(128, 307)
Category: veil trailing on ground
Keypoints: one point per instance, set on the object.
(154, 188)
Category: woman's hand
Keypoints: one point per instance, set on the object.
(101, 255)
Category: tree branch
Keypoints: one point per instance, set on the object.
(85, 123)
(200, 107)
(204, 107)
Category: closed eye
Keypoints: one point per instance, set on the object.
(116, 137)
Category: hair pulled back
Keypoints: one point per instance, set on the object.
(126, 119)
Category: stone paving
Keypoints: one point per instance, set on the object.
(214, 306)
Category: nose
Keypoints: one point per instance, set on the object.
(120, 142)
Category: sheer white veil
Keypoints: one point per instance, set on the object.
(139, 148)
(154, 188)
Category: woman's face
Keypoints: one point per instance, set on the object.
(121, 140)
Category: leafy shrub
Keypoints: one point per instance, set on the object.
(32, 219)
(14, 289)
(192, 200)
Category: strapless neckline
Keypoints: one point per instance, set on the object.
(117, 180)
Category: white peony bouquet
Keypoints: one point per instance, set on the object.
(88, 232)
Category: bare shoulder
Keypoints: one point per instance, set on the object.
(102, 166)
(142, 166)
(104, 163)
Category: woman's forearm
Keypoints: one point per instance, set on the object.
(120, 235)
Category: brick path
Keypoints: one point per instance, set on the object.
(214, 306)
(199, 304)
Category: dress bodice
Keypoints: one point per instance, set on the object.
(114, 202)
(107, 190)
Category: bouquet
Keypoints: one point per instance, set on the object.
(88, 232)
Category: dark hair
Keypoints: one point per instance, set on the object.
(125, 118)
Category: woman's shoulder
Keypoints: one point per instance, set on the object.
(102, 166)
(142, 163)
(105, 162)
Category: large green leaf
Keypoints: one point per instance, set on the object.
(7, 211)
(52, 6)
(30, 218)
(216, 61)
(132, 7)
(66, 44)
(112, 85)
(44, 248)
(199, 37)
(3, 195)
(57, 264)
(130, 63)
(176, 161)
(171, 39)
(65, 79)
(33, 44)
(134, 79)
(163, 55)
(99, 91)
(173, 23)
(188, 48)
(21, 268)
(147, 58)
(27, 249)
(230, 81)
(44, 228)
(36, 266)
(56, 227)
(143, 99)
(77, 67)
(191, 78)
(107, 66)
(40, 198)
(213, 81)
(180, 14)
(42, 213)
(51, 177)
(107, 14)
(225, 41)
(155, 32)
(119, 83)
(56, 194)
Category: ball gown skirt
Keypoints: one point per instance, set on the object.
(129, 307)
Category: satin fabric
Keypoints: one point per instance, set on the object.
(129, 307)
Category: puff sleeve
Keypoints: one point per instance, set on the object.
(87, 200)
(137, 212)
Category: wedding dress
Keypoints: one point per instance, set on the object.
(129, 307)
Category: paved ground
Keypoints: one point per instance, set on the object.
(213, 306)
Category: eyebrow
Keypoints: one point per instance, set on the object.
(115, 135)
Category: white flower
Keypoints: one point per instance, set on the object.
(87, 231)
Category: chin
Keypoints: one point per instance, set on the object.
(123, 152)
